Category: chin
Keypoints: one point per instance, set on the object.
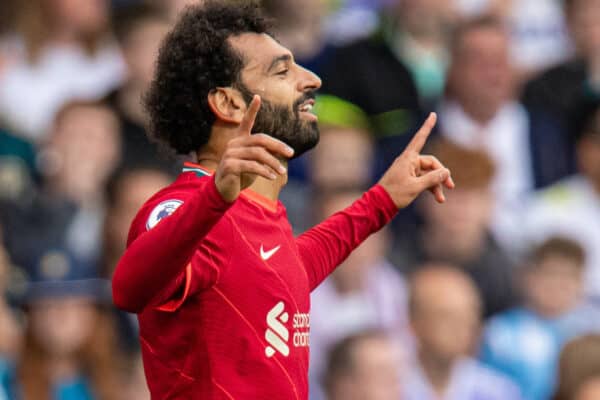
(309, 133)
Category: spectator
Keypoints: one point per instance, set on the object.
(371, 75)
(172, 8)
(344, 159)
(554, 97)
(69, 347)
(60, 51)
(365, 366)
(417, 32)
(80, 154)
(10, 329)
(351, 20)
(479, 112)
(17, 167)
(139, 30)
(459, 232)
(571, 207)
(366, 292)
(579, 373)
(445, 316)
(524, 343)
(538, 32)
(6, 16)
(561, 88)
(134, 382)
(299, 25)
(539, 37)
(127, 190)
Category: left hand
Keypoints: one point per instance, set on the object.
(412, 173)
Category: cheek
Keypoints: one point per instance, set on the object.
(279, 91)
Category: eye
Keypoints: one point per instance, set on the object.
(282, 72)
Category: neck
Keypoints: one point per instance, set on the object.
(210, 156)
(480, 112)
(62, 369)
(437, 370)
(65, 35)
(267, 188)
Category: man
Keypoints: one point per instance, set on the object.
(366, 292)
(445, 316)
(460, 232)
(553, 312)
(554, 98)
(139, 29)
(579, 371)
(571, 206)
(221, 286)
(364, 366)
(479, 112)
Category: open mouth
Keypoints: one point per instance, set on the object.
(306, 110)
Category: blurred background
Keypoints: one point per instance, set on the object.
(494, 295)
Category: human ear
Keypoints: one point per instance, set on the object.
(227, 104)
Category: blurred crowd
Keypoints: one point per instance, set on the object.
(493, 295)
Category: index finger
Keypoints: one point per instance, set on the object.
(250, 115)
(418, 141)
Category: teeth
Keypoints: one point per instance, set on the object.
(306, 107)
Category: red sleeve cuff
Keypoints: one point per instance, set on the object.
(172, 305)
(217, 202)
(382, 201)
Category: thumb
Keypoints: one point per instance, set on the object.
(433, 178)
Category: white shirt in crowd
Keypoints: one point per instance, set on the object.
(570, 208)
(469, 380)
(32, 93)
(506, 139)
(538, 30)
(382, 305)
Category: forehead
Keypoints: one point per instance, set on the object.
(444, 289)
(258, 49)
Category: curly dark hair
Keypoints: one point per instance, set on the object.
(194, 59)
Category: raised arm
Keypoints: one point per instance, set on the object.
(325, 246)
(158, 256)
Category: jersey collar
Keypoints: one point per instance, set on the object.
(196, 168)
(201, 171)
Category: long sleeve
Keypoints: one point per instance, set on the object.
(325, 246)
(158, 256)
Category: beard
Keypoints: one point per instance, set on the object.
(284, 123)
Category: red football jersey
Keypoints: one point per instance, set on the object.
(222, 290)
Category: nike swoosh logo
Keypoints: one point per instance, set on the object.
(265, 255)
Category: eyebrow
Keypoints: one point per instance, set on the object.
(277, 60)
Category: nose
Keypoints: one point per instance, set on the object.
(308, 81)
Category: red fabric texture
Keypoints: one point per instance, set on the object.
(222, 290)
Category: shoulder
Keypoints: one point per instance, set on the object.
(555, 86)
(508, 317)
(487, 378)
(557, 201)
(165, 202)
(500, 330)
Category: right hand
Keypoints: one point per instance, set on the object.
(248, 156)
